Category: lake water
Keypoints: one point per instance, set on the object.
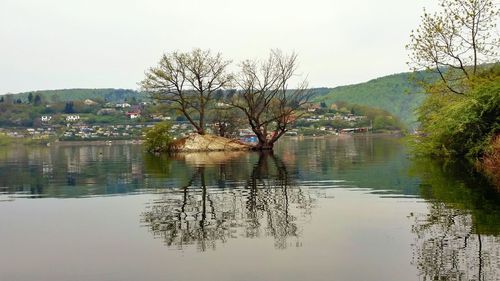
(340, 208)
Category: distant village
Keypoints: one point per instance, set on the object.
(130, 121)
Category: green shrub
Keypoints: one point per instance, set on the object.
(158, 138)
(462, 125)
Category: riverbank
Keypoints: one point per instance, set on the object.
(99, 142)
(47, 142)
(346, 135)
(490, 162)
(35, 142)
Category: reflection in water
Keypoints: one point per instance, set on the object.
(89, 170)
(457, 239)
(378, 163)
(266, 203)
(200, 201)
(448, 247)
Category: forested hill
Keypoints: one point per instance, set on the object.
(398, 93)
(108, 95)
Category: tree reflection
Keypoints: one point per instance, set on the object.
(210, 208)
(458, 239)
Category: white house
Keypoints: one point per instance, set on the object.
(222, 104)
(46, 118)
(72, 118)
(122, 105)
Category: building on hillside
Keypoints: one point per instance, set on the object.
(353, 118)
(122, 105)
(313, 107)
(222, 104)
(72, 118)
(89, 102)
(134, 114)
(46, 118)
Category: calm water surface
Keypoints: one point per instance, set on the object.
(351, 208)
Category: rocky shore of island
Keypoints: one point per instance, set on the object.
(197, 143)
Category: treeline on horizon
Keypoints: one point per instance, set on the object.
(63, 95)
(399, 94)
(26, 112)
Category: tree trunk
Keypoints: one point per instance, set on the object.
(198, 126)
(266, 145)
(201, 126)
(222, 129)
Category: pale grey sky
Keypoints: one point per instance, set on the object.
(54, 44)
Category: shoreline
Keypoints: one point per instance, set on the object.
(95, 142)
(140, 141)
(382, 134)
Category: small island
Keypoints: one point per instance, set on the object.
(198, 84)
(207, 143)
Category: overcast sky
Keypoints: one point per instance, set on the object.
(54, 44)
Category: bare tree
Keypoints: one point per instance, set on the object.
(225, 118)
(265, 99)
(187, 81)
(456, 40)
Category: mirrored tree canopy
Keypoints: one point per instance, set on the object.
(212, 208)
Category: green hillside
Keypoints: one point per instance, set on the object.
(397, 93)
(109, 95)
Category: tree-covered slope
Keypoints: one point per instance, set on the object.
(109, 95)
(399, 94)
